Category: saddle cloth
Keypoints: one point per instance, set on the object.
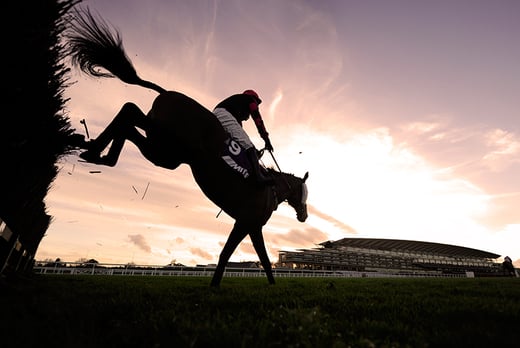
(235, 157)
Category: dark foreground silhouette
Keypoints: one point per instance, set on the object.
(180, 130)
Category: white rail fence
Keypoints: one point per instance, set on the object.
(134, 270)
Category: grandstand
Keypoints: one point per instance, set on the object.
(393, 256)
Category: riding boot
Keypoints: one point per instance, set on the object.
(256, 171)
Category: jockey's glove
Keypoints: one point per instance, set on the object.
(268, 145)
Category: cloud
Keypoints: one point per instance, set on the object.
(505, 149)
(140, 242)
(341, 225)
(421, 127)
(503, 210)
(297, 238)
(516, 263)
(201, 253)
(246, 248)
(274, 104)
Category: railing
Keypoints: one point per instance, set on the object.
(135, 270)
(14, 257)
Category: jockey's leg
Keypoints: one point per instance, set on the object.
(257, 172)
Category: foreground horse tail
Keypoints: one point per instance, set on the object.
(93, 44)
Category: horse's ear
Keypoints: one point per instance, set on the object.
(305, 176)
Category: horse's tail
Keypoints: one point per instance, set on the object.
(93, 44)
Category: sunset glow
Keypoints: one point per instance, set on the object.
(405, 114)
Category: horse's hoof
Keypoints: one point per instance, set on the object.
(91, 157)
(95, 158)
(78, 141)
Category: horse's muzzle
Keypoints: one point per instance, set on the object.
(301, 214)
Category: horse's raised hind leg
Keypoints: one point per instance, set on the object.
(237, 234)
(121, 128)
(117, 145)
(258, 243)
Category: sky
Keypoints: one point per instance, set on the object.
(404, 113)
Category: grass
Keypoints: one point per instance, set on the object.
(132, 311)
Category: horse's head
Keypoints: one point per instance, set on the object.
(297, 197)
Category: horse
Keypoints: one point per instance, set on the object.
(178, 130)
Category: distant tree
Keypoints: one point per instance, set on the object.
(174, 263)
(84, 262)
(58, 263)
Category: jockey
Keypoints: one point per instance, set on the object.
(231, 112)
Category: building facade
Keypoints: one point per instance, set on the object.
(392, 256)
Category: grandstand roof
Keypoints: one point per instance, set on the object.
(409, 246)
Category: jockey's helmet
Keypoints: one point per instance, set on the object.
(254, 94)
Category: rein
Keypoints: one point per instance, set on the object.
(277, 166)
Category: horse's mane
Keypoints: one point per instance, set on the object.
(273, 171)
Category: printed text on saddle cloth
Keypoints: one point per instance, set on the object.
(236, 158)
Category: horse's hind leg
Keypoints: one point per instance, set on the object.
(258, 243)
(121, 128)
(117, 145)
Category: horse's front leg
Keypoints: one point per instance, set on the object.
(258, 243)
(237, 234)
(122, 127)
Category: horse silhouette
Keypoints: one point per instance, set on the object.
(179, 130)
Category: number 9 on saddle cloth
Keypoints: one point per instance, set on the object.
(236, 158)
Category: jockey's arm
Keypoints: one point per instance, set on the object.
(259, 123)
